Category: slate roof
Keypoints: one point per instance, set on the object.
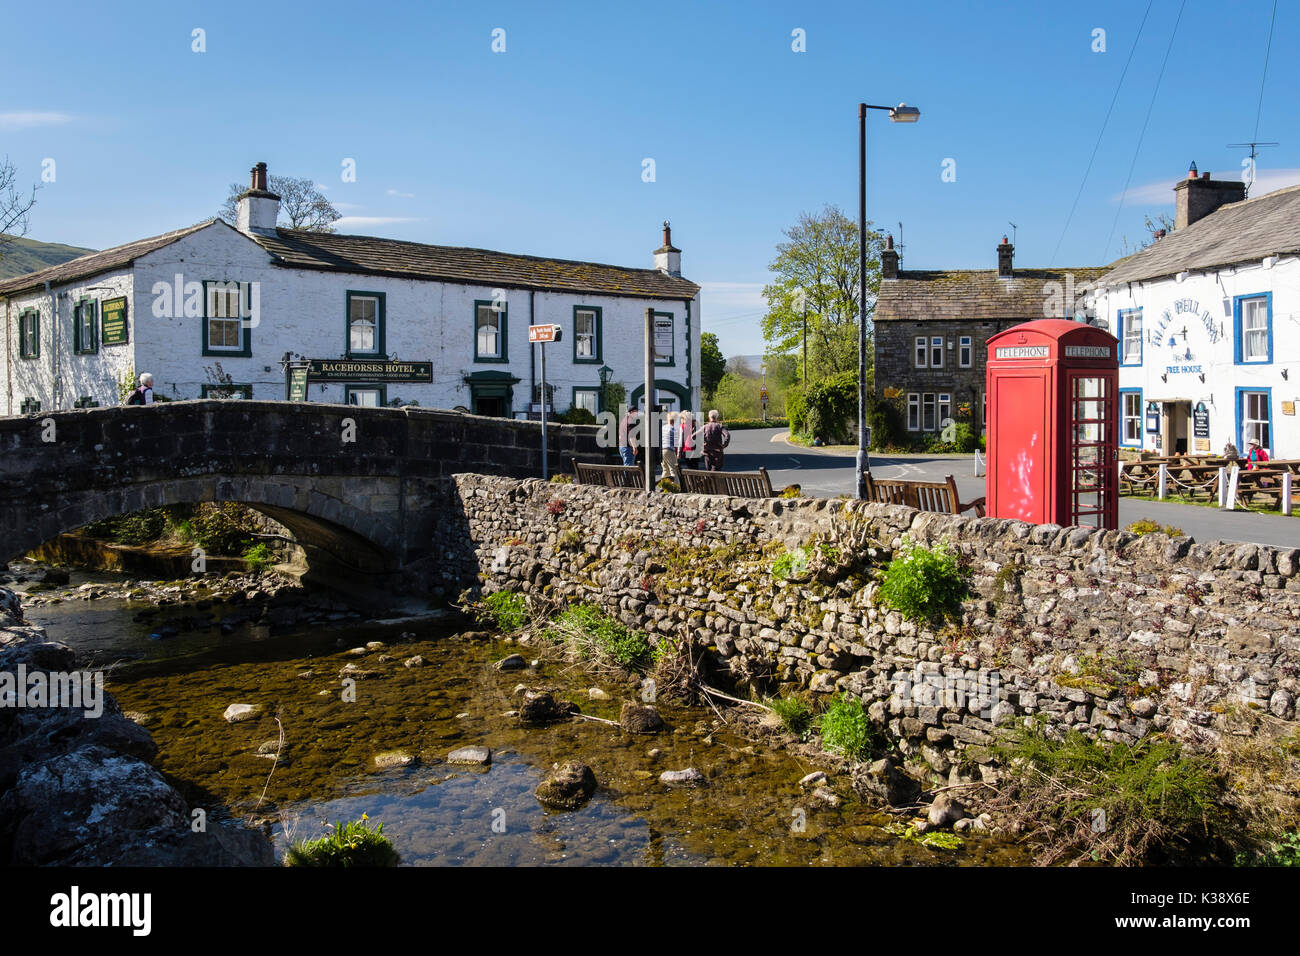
(105, 260)
(1238, 232)
(973, 294)
(393, 257)
(416, 260)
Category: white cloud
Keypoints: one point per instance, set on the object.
(1162, 194)
(401, 195)
(348, 222)
(27, 120)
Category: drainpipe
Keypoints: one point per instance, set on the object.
(9, 367)
(54, 341)
(532, 358)
(690, 385)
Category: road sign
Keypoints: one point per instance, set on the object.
(762, 394)
(543, 333)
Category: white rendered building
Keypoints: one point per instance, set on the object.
(1208, 319)
(212, 310)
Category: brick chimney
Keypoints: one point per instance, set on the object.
(1198, 195)
(889, 260)
(259, 208)
(668, 258)
(1005, 252)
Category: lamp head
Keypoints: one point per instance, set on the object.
(902, 113)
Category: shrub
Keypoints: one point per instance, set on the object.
(1285, 852)
(885, 418)
(925, 585)
(1144, 526)
(561, 479)
(504, 610)
(831, 408)
(845, 727)
(138, 527)
(797, 410)
(668, 486)
(576, 415)
(795, 714)
(1079, 800)
(222, 528)
(594, 635)
(348, 844)
(792, 491)
(258, 557)
(741, 424)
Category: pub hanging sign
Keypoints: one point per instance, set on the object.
(376, 371)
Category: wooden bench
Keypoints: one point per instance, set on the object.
(939, 496)
(608, 476)
(737, 484)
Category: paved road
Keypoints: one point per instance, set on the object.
(825, 475)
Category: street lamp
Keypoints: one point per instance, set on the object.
(605, 372)
(902, 113)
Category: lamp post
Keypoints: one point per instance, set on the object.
(902, 113)
(605, 372)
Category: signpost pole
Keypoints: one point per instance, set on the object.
(647, 416)
(542, 347)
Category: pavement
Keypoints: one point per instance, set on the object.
(826, 474)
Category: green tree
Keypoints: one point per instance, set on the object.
(712, 365)
(817, 267)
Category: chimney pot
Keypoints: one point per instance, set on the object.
(889, 241)
(1205, 175)
(1191, 172)
(889, 259)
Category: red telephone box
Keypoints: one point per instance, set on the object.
(1052, 392)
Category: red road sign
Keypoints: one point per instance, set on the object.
(543, 333)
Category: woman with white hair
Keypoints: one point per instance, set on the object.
(714, 437)
(143, 394)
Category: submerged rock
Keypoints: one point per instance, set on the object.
(640, 719)
(690, 777)
(237, 712)
(814, 779)
(416, 661)
(514, 662)
(595, 693)
(539, 707)
(567, 787)
(945, 810)
(470, 755)
(394, 758)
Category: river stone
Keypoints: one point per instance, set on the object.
(826, 797)
(375, 645)
(416, 661)
(237, 712)
(394, 758)
(358, 673)
(357, 652)
(945, 810)
(886, 780)
(137, 718)
(816, 778)
(513, 662)
(470, 755)
(640, 719)
(567, 787)
(539, 707)
(595, 693)
(689, 777)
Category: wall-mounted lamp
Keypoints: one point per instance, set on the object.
(1164, 376)
(1202, 378)
(1286, 373)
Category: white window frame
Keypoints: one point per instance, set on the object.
(581, 338)
(359, 391)
(356, 325)
(1133, 419)
(965, 351)
(219, 297)
(920, 352)
(928, 421)
(936, 351)
(1131, 329)
(913, 411)
(943, 409)
(1257, 306)
(1255, 427)
(494, 335)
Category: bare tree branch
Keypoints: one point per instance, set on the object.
(302, 205)
(15, 205)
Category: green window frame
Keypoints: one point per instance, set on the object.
(502, 336)
(244, 348)
(377, 335)
(29, 334)
(350, 390)
(29, 406)
(85, 327)
(593, 390)
(589, 328)
(237, 391)
(672, 354)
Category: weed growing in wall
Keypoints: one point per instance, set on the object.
(1145, 526)
(504, 610)
(594, 635)
(846, 728)
(791, 564)
(924, 584)
(796, 716)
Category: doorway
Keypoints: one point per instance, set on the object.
(1175, 427)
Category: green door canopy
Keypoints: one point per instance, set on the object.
(663, 385)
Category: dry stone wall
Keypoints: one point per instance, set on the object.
(1102, 631)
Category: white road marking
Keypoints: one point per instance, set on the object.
(796, 461)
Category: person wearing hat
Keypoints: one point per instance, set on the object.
(1256, 456)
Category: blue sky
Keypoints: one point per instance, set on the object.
(540, 149)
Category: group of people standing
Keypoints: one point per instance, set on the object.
(680, 440)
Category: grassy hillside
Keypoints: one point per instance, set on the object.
(27, 255)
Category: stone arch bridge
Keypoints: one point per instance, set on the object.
(364, 490)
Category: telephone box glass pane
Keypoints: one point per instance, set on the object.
(1091, 403)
